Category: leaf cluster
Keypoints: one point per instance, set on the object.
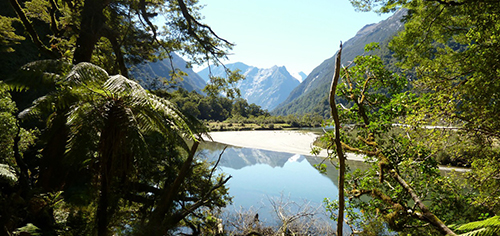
(113, 34)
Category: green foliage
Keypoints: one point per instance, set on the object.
(359, 223)
(8, 37)
(224, 85)
(114, 149)
(490, 226)
(380, 6)
(452, 113)
(370, 88)
(110, 146)
(455, 60)
(14, 140)
(212, 108)
(8, 124)
(404, 170)
(29, 229)
(114, 35)
(7, 174)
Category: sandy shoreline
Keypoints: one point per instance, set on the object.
(295, 142)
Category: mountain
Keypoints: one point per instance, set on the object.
(151, 74)
(219, 71)
(311, 96)
(238, 157)
(264, 87)
(300, 76)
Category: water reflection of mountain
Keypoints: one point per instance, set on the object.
(237, 158)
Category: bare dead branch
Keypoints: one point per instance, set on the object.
(338, 144)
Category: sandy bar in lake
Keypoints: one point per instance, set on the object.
(296, 142)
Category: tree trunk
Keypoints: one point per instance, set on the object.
(110, 147)
(93, 20)
(112, 36)
(338, 144)
(102, 208)
(157, 224)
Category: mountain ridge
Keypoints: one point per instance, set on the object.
(266, 87)
(150, 74)
(311, 96)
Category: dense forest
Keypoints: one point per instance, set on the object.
(86, 150)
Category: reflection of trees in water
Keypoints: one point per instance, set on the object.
(287, 217)
(237, 157)
(331, 171)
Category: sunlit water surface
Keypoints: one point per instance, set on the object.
(260, 177)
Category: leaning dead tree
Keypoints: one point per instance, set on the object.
(338, 144)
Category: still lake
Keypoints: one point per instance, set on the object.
(260, 175)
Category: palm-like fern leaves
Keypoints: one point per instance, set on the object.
(101, 121)
(84, 95)
(39, 75)
(7, 173)
(488, 227)
(77, 90)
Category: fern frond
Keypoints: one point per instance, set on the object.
(190, 125)
(85, 73)
(84, 131)
(35, 110)
(477, 232)
(490, 226)
(53, 101)
(40, 75)
(120, 84)
(490, 222)
(7, 173)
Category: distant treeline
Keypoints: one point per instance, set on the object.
(223, 109)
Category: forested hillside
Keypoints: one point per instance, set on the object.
(159, 74)
(311, 96)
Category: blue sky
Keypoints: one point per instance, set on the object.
(298, 34)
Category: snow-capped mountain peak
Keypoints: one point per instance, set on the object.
(266, 87)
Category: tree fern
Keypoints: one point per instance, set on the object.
(488, 227)
(101, 121)
(39, 75)
(7, 173)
